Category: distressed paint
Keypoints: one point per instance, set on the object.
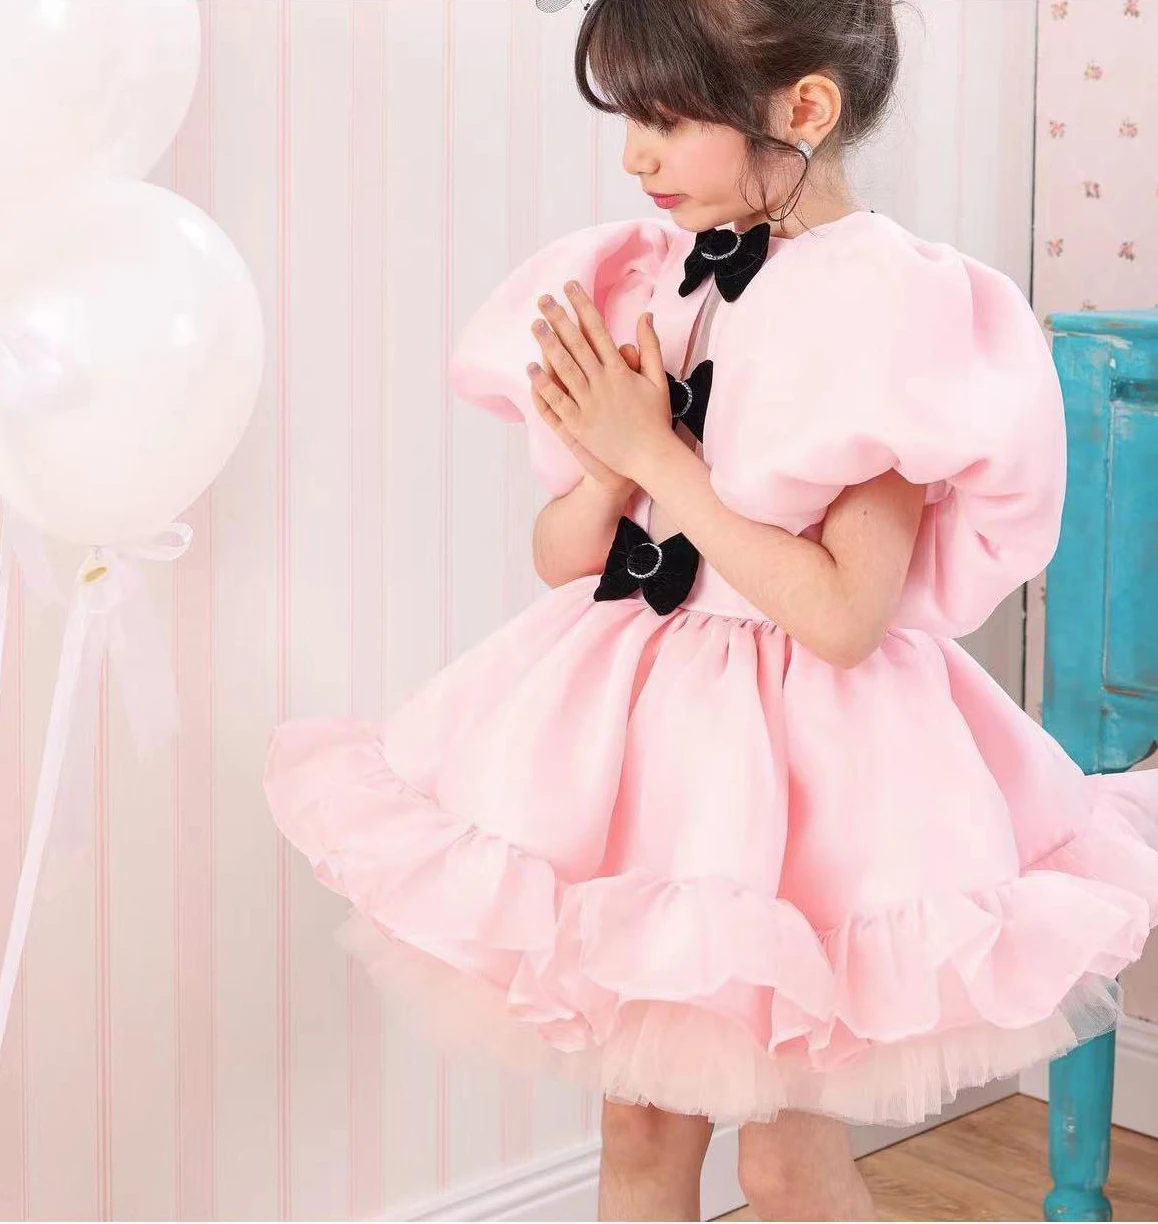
(1101, 656)
(1097, 637)
(1080, 1095)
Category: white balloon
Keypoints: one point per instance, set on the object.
(133, 346)
(90, 87)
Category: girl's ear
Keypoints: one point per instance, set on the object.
(815, 108)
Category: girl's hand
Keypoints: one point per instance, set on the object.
(612, 482)
(616, 413)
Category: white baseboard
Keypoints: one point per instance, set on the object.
(1135, 1077)
(564, 1185)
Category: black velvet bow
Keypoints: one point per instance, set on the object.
(689, 397)
(664, 572)
(734, 258)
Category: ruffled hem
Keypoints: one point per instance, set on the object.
(686, 1059)
(568, 955)
(1004, 955)
(700, 995)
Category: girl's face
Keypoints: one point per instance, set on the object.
(699, 162)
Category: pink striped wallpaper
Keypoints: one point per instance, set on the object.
(14, 1190)
(187, 1041)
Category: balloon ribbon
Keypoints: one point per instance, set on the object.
(110, 614)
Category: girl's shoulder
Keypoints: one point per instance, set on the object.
(865, 301)
(870, 270)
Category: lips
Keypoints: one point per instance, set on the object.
(665, 201)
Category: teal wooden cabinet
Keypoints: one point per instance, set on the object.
(1100, 697)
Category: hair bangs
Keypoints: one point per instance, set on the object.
(650, 62)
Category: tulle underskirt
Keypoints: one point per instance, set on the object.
(689, 1060)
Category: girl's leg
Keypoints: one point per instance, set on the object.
(800, 1167)
(651, 1161)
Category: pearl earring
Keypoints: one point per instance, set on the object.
(805, 148)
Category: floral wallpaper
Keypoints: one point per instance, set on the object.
(1095, 224)
(1096, 214)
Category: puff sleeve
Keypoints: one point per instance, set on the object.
(921, 359)
(617, 264)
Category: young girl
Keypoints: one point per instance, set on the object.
(725, 824)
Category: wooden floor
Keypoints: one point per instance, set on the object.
(991, 1165)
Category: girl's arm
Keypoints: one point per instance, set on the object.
(573, 533)
(835, 596)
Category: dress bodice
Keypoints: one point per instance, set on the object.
(710, 592)
(655, 519)
(863, 349)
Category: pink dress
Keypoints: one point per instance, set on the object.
(678, 858)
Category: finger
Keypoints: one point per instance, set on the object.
(560, 403)
(544, 409)
(650, 353)
(593, 324)
(557, 356)
(551, 417)
(546, 363)
(630, 354)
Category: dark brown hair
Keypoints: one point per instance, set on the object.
(726, 61)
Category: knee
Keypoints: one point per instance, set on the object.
(801, 1168)
(767, 1183)
(642, 1137)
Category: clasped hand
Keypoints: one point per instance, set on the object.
(617, 407)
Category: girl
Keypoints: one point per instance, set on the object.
(725, 824)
